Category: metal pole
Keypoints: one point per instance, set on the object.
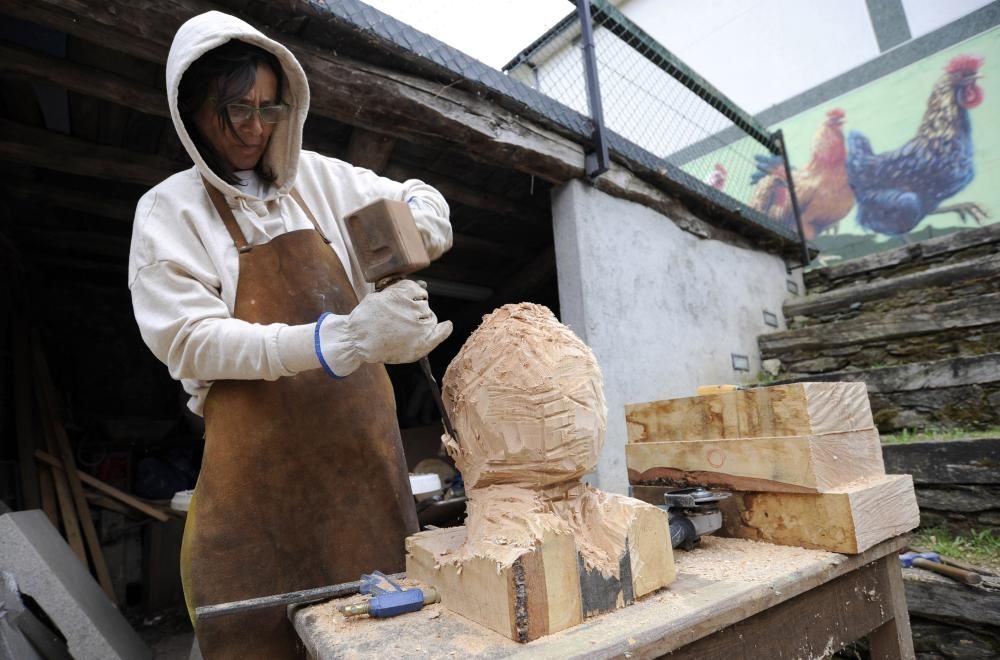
(596, 162)
(779, 136)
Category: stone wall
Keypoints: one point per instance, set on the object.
(920, 325)
(957, 481)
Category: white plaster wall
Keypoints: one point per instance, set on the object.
(662, 309)
(928, 15)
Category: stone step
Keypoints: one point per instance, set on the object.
(950, 279)
(958, 246)
(951, 328)
(960, 392)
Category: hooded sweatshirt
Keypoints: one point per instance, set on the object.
(183, 266)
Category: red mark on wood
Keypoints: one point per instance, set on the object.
(716, 457)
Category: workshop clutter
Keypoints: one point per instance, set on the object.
(50, 478)
(804, 461)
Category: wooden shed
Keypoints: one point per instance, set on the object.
(84, 132)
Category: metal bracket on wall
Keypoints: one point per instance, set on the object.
(596, 161)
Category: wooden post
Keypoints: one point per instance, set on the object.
(893, 639)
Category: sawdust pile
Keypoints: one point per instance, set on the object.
(738, 560)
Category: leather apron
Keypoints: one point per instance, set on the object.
(303, 482)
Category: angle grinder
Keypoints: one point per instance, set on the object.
(693, 513)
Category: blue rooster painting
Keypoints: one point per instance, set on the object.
(897, 189)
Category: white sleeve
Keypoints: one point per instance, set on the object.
(431, 213)
(188, 327)
(430, 210)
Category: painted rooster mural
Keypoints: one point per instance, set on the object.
(897, 189)
(821, 187)
(717, 177)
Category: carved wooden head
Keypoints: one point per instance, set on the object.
(526, 399)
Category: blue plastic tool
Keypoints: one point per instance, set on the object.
(388, 598)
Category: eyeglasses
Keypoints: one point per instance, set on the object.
(269, 114)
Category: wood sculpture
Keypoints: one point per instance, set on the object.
(541, 549)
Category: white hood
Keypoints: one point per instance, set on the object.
(211, 30)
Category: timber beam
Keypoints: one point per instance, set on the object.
(370, 150)
(83, 80)
(38, 147)
(102, 206)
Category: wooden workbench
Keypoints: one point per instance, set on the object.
(733, 598)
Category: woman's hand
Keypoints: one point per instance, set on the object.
(392, 326)
(395, 325)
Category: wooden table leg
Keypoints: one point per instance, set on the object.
(893, 639)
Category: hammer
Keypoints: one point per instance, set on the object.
(931, 561)
(389, 247)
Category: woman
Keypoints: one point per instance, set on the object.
(245, 285)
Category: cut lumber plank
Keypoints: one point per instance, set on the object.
(46, 404)
(47, 486)
(849, 519)
(97, 484)
(111, 504)
(765, 412)
(64, 501)
(801, 464)
(548, 587)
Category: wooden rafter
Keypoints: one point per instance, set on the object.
(347, 90)
(101, 205)
(41, 148)
(83, 79)
(370, 150)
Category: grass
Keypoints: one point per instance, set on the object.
(976, 547)
(908, 435)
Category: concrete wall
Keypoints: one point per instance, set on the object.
(663, 310)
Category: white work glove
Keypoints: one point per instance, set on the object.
(392, 326)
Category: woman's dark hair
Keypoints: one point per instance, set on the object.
(222, 76)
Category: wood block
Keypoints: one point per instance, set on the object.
(537, 594)
(800, 464)
(547, 588)
(765, 412)
(849, 519)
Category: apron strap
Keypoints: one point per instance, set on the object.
(229, 220)
(301, 202)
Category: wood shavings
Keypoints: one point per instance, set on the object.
(723, 559)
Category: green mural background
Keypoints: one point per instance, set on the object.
(888, 111)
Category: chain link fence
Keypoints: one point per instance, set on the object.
(654, 100)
